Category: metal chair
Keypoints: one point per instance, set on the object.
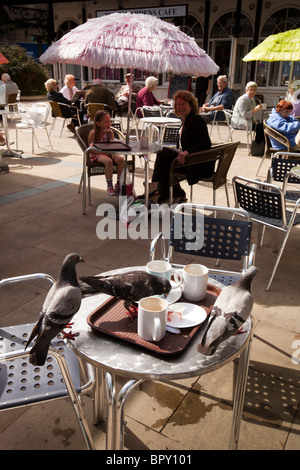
(269, 150)
(29, 124)
(94, 169)
(92, 108)
(249, 132)
(226, 123)
(194, 233)
(222, 154)
(265, 203)
(59, 110)
(23, 384)
(280, 171)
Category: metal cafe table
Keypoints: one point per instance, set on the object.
(114, 357)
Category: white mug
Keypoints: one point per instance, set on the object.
(162, 268)
(195, 277)
(152, 314)
(263, 105)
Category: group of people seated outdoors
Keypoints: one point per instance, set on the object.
(194, 136)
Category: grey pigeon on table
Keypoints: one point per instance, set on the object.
(230, 311)
(130, 287)
(62, 302)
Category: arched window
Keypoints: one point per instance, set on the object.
(64, 28)
(279, 73)
(224, 26)
(190, 26)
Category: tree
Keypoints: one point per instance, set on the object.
(29, 75)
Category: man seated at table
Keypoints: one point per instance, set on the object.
(223, 99)
(67, 111)
(99, 93)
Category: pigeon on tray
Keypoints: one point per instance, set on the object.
(130, 287)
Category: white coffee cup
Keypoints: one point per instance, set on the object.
(162, 268)
(195, 277)
(152, 314)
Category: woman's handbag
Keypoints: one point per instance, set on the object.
(258, 150)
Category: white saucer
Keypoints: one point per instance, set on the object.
(184, 315)
(172, 296)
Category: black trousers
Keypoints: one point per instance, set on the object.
(161, 173)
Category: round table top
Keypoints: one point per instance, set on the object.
(161, 120)
(122, 358)
(135, 149)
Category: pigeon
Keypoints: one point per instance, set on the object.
(230, 311)
(130, 287)
(62, 302)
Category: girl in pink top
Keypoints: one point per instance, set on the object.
(102, 132)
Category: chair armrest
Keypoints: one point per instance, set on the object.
(155, 241)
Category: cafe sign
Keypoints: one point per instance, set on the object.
(161, 12)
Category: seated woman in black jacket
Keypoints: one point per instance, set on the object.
(193, 138)
(54, 95)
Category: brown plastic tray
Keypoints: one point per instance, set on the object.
(111, 319)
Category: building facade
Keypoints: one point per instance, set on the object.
(226, 30)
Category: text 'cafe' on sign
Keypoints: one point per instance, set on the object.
(161, 12)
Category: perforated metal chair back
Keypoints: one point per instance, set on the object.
(151, 111)
(194, 233)
(282, 166)
(280, 171)
(261, 202)
(266, 205)
(170, 135)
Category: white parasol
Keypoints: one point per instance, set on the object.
(134, 41)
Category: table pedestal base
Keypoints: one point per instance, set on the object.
(116, 402)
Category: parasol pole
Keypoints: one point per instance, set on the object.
(129, 107)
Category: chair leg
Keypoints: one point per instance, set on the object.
(227, 195)
(261, 162)
(278, 259)
(48, 137)
(80, 184)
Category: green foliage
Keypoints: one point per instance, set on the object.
(25, 71)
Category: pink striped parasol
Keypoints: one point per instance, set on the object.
(131, 40)
(134, 41)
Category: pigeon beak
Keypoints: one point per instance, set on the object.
(81, 260)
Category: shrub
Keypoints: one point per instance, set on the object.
(25, 71)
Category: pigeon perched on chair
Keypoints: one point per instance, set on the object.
(62, 302)
(130, 287)
(230, 311)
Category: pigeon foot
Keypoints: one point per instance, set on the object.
(69, 335)
(132, 311)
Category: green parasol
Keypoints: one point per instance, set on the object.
(277, 47)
